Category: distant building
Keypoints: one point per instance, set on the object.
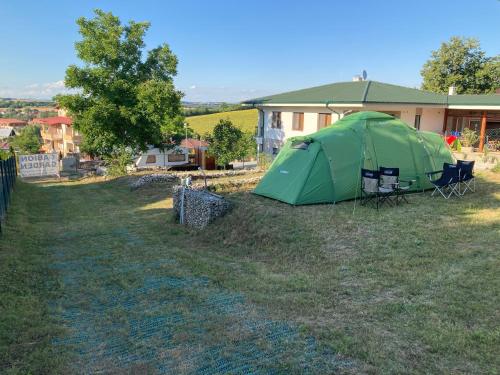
(6, 133)
(12, 123)
(58, 135)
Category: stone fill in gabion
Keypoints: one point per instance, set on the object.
(152, 178)
(201, 207)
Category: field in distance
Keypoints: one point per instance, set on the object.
(245, 119)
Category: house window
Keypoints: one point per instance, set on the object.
(176, 157)
(151, 159)
(324, 119)
(298, 121)
(276, 120)
(275, 151)
(417, 121)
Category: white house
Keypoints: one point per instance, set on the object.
(155, 158)
(306, 111)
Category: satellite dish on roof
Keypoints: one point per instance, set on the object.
(364, 75)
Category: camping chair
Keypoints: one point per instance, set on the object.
(449, 181)
(389, 180)
(369, 187)
(467, 178)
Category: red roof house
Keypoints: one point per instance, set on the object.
(57, 120)
(14, 122)
(58, 135)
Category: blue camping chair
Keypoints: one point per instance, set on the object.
(467, 177)
(449, 181)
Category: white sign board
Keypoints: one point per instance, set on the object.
(39, 165)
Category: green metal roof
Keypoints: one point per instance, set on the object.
(386, 93)
(367, 92)
(482, 100)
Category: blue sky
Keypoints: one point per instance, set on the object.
(233, 50)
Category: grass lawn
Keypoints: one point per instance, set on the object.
(245, 119)
(97, 278)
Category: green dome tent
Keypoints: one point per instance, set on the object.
(325, 167)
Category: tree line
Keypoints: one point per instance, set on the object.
(12, 103)
(208, 109)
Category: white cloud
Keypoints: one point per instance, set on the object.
(35, 90)
(222, 94)
(194, 93)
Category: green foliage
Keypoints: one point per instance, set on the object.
(456, 145)
(4, 155)
(28, 141)
(225, 142)
(228, 143)
(246, 120)
(496, 168)
(469, 137)
(117, 161)
(10, 103)
(125, 100)
(246, 147)
(461, 63)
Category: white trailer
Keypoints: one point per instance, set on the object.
(156, 158)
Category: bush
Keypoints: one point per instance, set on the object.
(28, 141)
(118, 161)
(4, 155)
(469, 138)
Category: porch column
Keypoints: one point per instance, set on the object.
(482, 134)
(445, 121)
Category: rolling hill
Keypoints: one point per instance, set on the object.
(245, 119)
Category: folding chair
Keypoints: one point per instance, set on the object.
(467, 177)
(389, 179)
(449, 181)
(369, 187)
(388, 182)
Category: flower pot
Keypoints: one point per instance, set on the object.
(467, 150)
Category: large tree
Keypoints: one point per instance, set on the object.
(462, 63)
(123, 99)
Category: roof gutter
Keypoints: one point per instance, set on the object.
(327, 106)
(260, 129)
